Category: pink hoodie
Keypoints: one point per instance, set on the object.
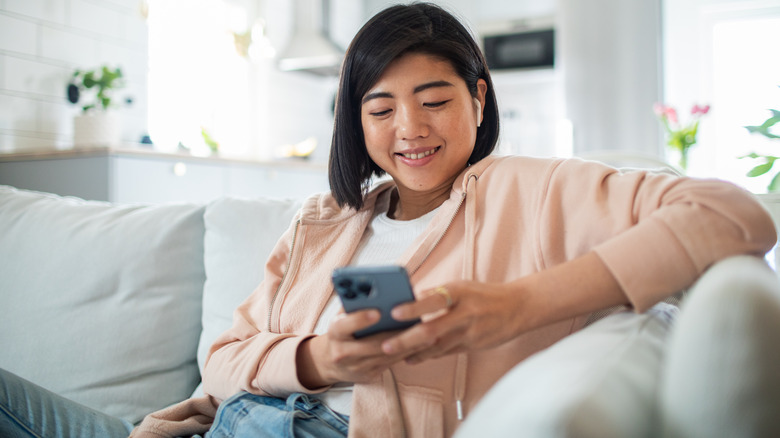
(506, 218)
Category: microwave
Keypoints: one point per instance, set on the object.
(526, 49)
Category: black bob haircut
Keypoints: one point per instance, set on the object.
(398, 30)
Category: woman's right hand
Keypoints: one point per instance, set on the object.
(337, 356)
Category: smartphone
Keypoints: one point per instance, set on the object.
(374, 287)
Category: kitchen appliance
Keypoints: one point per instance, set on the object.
(520, 44)
(311, 48)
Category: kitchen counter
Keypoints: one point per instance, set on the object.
(149, 152)
(133, 173)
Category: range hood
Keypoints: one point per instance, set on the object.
(310, 48)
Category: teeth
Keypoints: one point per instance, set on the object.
(420, 155)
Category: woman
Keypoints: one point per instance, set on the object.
(506, 255)
(514, 253)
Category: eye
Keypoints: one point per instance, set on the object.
(380, 113)
(436, 104)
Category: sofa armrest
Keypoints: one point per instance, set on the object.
(600, 382)
(611, 379)
(721, 377)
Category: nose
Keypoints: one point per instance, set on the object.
(410, 123)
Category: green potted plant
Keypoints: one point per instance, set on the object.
(767, 161)
(96, 124)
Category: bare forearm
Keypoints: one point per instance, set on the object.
(574, 288)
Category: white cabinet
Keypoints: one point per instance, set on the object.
(123, 177)
(141, 179)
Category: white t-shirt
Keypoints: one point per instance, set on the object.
(383, 242)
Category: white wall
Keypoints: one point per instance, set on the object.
(611, 56)
(42, 42)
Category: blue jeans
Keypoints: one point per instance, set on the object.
(27, 410)
(249, 415)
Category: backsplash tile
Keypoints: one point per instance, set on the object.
(68, 46)
(36, 78)
(97, 17)
(54, 118)
(46, 10)
(17, 113)
(17, 35)
(42, 42)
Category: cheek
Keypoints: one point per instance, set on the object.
(463, 126)
(373, 135)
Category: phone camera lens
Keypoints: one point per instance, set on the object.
(350, 295)
(345, 283)
(364, 288)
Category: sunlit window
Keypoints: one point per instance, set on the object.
(198, 78)
(745, 85)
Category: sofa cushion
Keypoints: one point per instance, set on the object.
(722, 370)
(101, 303)
(240, 234)
(600, 382)
(771, 202)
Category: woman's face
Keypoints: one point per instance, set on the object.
(420, 122)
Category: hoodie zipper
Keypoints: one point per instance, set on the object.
(284, 275)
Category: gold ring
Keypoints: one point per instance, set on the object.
(443, 292)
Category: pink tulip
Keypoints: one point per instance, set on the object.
(700, 110)
(671, 114)
(666, 112)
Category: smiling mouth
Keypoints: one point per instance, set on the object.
(421, 154)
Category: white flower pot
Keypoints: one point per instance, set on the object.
(97, 129)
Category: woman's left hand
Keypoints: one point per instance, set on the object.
(479, 315)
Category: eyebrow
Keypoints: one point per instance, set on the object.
(417, 89)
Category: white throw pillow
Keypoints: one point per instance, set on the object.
(101, 303)
(600, 382)
(240, 234)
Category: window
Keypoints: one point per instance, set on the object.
(724, 54)
(198, 81)
(745, 85)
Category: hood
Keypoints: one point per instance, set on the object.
(310, 48)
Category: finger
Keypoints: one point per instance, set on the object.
(430, 301)
(421, 336)
(345, 324)
(450, 344)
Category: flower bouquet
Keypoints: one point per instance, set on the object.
(680, 137)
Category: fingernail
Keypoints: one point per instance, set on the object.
(387, 348)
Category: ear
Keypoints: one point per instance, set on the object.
(479, 100)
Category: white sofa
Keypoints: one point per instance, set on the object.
(114, 306)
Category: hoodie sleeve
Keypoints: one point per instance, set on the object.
(655, 232)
